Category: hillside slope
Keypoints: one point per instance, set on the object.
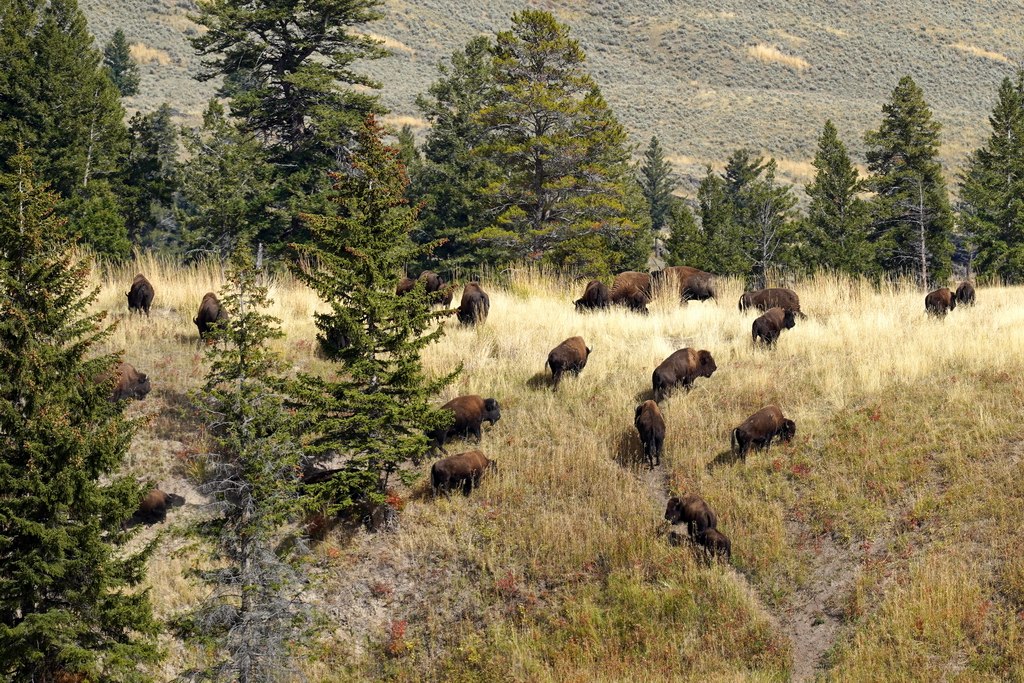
(704, 76)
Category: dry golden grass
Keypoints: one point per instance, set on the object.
(906, 470)
(769, 54)
(970, 49)
(143, 54)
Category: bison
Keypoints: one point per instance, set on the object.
(470, 412)
(595, 296)
(210, 313)
(694, 284)
(140, 296)
(759, 429)
(763, 299)
(464, 469)
(129, 383)
(405, 286)
(940, 302)
(569, 356)
(154, 506)
(769, 326)
(475, 305)
(681, 368)
(965, 294)
(692, 511)
(650, 424)
(632, 290)
(715, 542)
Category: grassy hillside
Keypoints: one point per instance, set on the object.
(880, 544)
(706, 77)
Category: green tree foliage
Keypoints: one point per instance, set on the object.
(992, 194)
(122, 69)
(657, 181)
(69, 596)
(226, 187)
(453, 176)
(838, 227)
(769, 228)
(563, 155)
(372, 415)
(686, 244)
(912, 219)
(57, 101)
(254, 612)
(153, 178)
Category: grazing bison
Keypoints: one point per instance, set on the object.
(470, 412)
(432, 282)
(650, 424)
(715, 542)
(763, 299)
(681, 368)
(692, 511)
(759, 429)
(475, 305)
(965, 294)
(940, 302)
(594, 296)
(129, 383)
(140, 296)
(569, 356)
(405, 286)
(210, 313)
(694, 284)
(154, 506)
(632, 290)
(464, 469)
(770, 325)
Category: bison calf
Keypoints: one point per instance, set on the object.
(210, 313)
(940, 302)
(475, 305)
(692, 511)
(129, 383)
(769, 326)
(759, 429)
(569, 356)
(650, 424)
(595, 296)
(715, 542)
(140, 296)
(965, 294)
(464, 469)
(469, 413)
(681, 368)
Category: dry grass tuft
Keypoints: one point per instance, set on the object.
(769, 54)
(143, 54)
(976, 51)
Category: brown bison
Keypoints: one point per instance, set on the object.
(681, 368)
(650, 424)
(464, 469)
(692, 511)
(129, 383)
(759, 429)
(210, 313)
(140, 296)
(595, 296)
(763, 299)
(405, 286)
(694, 284)
(432, 282)
(632, 290)
(965, 294)
(470, 412)
(940, 302)
(715, 542)
(769, 326)
(475, 305)
(154, 506)
(569, 356)
(433, 285)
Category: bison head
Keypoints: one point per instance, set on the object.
(789, 319)
(707, 363)
(674, 510)
(492, 412)
(788, 430)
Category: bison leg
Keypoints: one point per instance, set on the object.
(467, 485)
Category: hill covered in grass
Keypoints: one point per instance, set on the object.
(705, 77)
(881, 543)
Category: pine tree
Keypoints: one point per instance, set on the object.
(838, 225)
(69, 597)
(153, 178)
(686, 244)
(254, 613)
(992, 194)
(122, 69)
(769, 226)
(658, 181)
(911, 217)
(563, 153)
(717, 225)
(373, 414)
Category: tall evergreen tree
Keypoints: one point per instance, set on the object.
(122, 69)
(838, 226)
(992, 194)
(153, 178)
(769, 228)
(563, 153)
(912, 219)
(717, 225)
(658, 181)
(254, 612)
(373, 414)
(686, 244)
(69, 602)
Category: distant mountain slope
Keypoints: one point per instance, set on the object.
(705, 76)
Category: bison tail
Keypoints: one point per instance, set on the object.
(734, 442)
(435, 478)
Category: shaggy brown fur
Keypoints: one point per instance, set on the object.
(650, 424)
(763, 299)
(759, 429)
(940, 302)
(692, 511)
(210, 312)
(475, 305)
(569, 356)
(595, 296)
(632, 290)
(130, 383)
(770, 325)
(681, 368)
(140, 296)
(469, 414)
(464, 469)
(965, 294)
